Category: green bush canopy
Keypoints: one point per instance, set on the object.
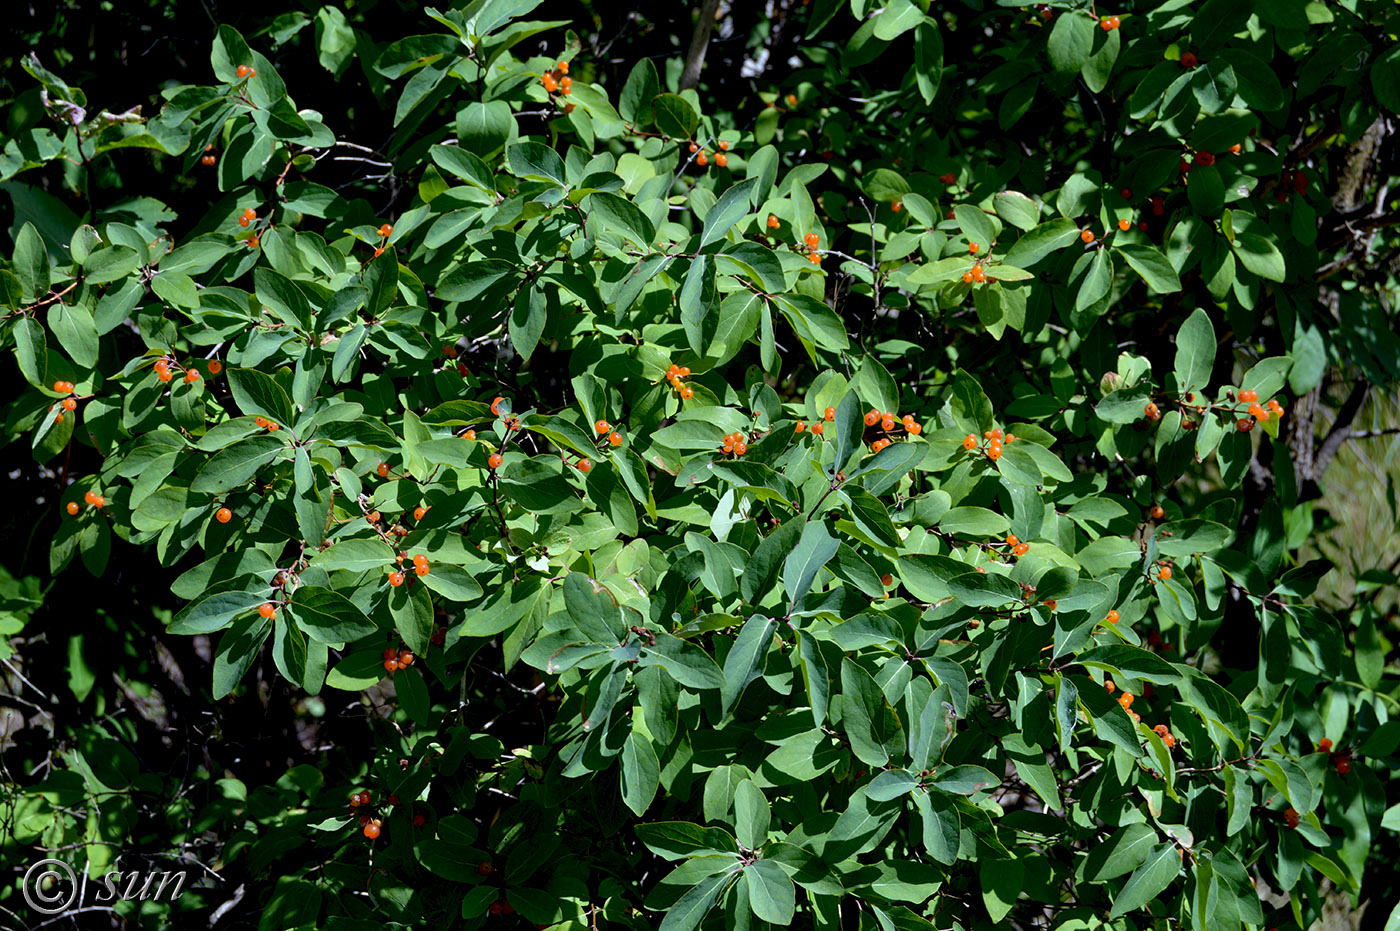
(821, 465)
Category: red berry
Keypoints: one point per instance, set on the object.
(418, 821)
(1324, 745)
(1188, 60)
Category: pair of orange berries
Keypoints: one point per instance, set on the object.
(63, 387)
(94, 499)
(1162, 731)
(394, 660)
(385, 231)
(735, 443)
(207, 160)
(1108, 23)
(249, 216)
(268, 424)
(602, 426)
(1017, 547)
(880, 444)
(817, 428)
(244, 71)
(1152, 411)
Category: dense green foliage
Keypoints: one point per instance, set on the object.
(863, 496)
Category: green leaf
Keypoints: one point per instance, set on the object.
(1041, 241)
(31, 263)
(621, 216)
(1195, 352)
(1071, 41)
(772, 895)
(813, 551)
(1148, 881)
(1152, 265)
(256, 393)
(751, 815)
(733, 205)
(641, 773)
(976, 227)
(675, 840)
(746, 658)
(536, 162)
(674, 116)
(869, 721)
(1260, 255)
(329, 617)
(1016, 209)
(237, 464)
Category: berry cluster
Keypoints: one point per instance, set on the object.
(977, 274)
(395, 659)
(163, 372)
(812, 241)
(1162, 731)
(1018, 548)
(735, 444)
(994, 439)
(674, 375)
(702, 158)
(243, 71)
(885, 422)
(558, 79)
(371, 825)
(1108, 23)
(206, 158)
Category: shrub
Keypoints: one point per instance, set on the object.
(872, 499)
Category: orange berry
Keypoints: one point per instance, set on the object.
(829, 414)
(267, 610)
(792, 100)
(1125, 224)
(223, 515)
(973, 247)
(721, 159)
(73, 507)
(243, 221)
(396, 579)
(1021, 549)
(386, 231)
(1011, 539)
(897, 206)
(601, 426)
(419, 512)
(994, 452)
(382, 470)
(273, 425)
(1156, 512)
(887, 422)
(872, 417)
(585, 465)
(1126, 699)
(191, 376)
(215, 366)
(495, 408)
(687, 393)
(1151, 411)
(1051, 604)
(405, 659)
(1109, 686)
(69, 404)
(1324, 745)
(252, 242)
(683, 371)
(242, 71)
(494, 460)
(615, 439)
(812, 240)
(969, 442)
(702, 159)
(372, 517)
(887, 580)
(740, 448)
(800, 427)
(723, 145)
(967, 278)
(420, 571)
(550, 85)
(1165, 572)
(1086, 236)
(915, 429)
(818, 428)
(562, 66)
